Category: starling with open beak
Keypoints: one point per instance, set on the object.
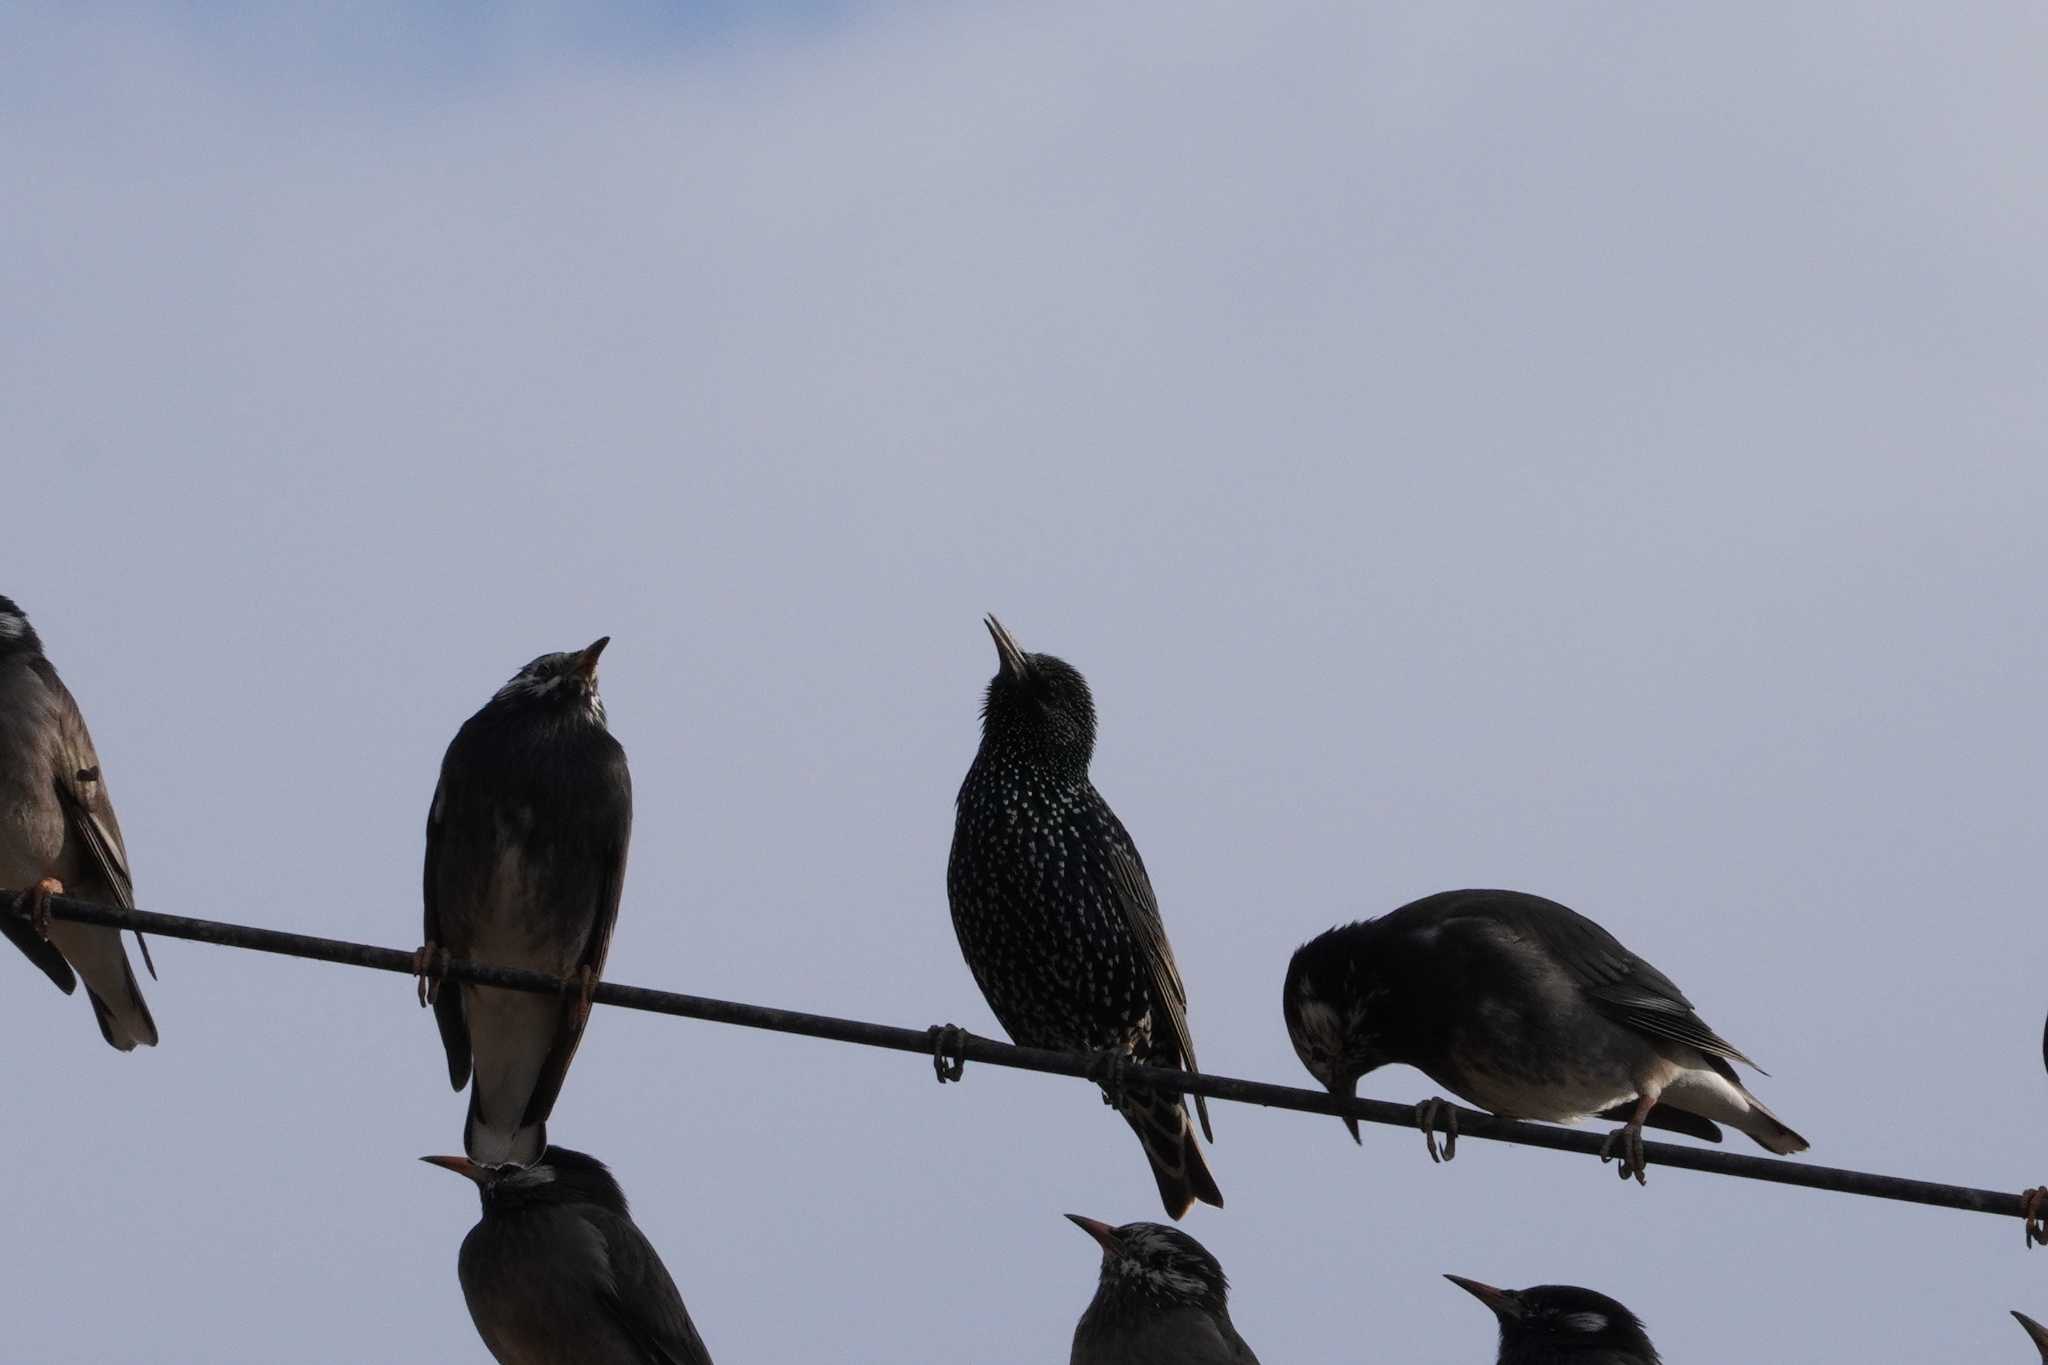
(1561, 1324)
(58, 836)
(1056, 915)
(1524, 1008)
(1162, 1300)
(557, 1271)
(526, 856)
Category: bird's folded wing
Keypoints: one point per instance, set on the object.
(1141, 911)
(642, 1298)
(608, 853)
(448, 1003)
(89, 811)
(1623, 986)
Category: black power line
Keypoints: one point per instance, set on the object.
(968, 1047)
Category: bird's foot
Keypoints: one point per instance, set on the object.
(429, 969)
(1432, 1114)
(582, 983)
(2034, 1209)
(1630, 1138)
(947, 1063)
(1108, 1069)
(35, 903)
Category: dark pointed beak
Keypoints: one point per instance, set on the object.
(1344, 1088)
(2036, 1331)
(1501, 1301)
(461, 1165)
(1100, 1231)
(1007, 649)
(586, 662)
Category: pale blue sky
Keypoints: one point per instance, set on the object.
(1589, 449)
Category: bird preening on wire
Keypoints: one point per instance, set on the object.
(59, 836)
(1056, 915)
(556, 1269)
(1525, 1008)
(526, 858)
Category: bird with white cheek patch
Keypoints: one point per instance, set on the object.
(1162, 1300)
(1561, 1324)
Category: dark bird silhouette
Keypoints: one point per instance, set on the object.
(556, 1271)
(1162, 1300)
(1561, 1324)
(1524, 1008)
(59, 837)
(526, 856)
(2036, 1333)
(1055, 913)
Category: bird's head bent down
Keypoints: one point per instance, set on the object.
(559, 682)
(1331, 1016)
(560, 1176)
(1037, 702)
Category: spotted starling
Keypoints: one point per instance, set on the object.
(1055, 914)
(556, 1271)
(1162, 1300)
(1561, 1324)
(1524, 1008)
(58, 836)
(2035, 1332)
(526, 855)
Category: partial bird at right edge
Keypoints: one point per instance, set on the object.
(1524, 1008)
(2036, 1333)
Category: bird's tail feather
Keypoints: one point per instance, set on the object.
(110, 983)
(1770, 1131)
(1175, 1153)
(491, 1145)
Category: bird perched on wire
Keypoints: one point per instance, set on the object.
(557, 1271)
(1055, 913)
(526, 855)
(1162, 1300)
(1524, 1008)
(59, 837)
(1561, 1324)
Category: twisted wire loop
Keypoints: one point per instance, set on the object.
(953, 1047)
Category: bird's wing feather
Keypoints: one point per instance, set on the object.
(1621, 985)
(615, 820)
(1169, 996)
(448, 1004)
(88, 810)
(642, 1298)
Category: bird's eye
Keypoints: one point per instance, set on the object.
(1583, 1322)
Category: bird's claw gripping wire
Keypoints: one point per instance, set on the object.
(947, 1063)
(1432, 1114)
(429, 969)
(35, 903)
(1109, 1069)
(1630, 1137)
(2034, 1211)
